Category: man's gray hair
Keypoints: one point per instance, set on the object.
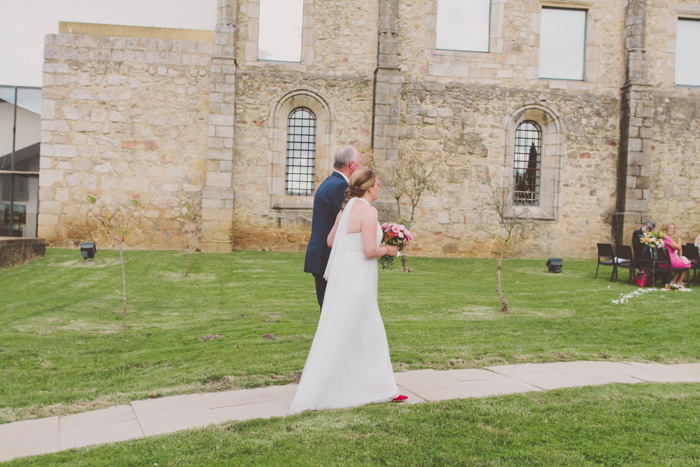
(651, 224)
(343, 156)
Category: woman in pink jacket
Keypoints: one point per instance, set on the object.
(674, 247)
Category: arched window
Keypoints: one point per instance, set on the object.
(534, 150)
(301, 152)
(526, 164)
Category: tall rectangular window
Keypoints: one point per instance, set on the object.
(526, 164)
(562, 44)
(463, 25)
(279, 30)
(688, 52)
(301, 152)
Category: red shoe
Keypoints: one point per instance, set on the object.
(400, 398)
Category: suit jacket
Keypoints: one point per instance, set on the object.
(637, 246)
(327, 203)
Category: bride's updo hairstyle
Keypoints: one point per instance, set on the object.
(360, 181)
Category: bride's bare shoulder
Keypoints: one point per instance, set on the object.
(369, 211)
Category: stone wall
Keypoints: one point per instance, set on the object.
(454, 116)
(15, 251)
(459, 130)
(170, 119)
(674, 182)
(671, 174)
(334, 80)
(122, 117)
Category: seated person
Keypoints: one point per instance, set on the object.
(637, 234)
(673, 247)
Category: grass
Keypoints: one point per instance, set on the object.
(614, 425)
(61, 349)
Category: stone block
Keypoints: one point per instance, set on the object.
(637, 205)
(639, 158)
(221, 120)
(71, 113)
(48, 109)
(216, 179)
(225, 131)
(58, 150)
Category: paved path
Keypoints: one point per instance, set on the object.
(158, 416)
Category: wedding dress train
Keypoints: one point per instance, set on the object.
(348, 364)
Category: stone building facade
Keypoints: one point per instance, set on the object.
(199, 117)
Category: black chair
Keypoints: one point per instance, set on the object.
(690, 251)
(606, 257)
(625, 260)
(664, 268)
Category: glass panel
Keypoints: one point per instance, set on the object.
(463, 25)
(5, 198)
(301, 152)
(280, 25)
(28, 130)
(7, 119)
(25, 205)
(562, 44)
(526, 167)
(687, 46)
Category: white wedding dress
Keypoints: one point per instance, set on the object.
(348, 364)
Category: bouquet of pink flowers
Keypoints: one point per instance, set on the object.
(397, 235)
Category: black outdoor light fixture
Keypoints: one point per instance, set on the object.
(555, 264)
(88, 250)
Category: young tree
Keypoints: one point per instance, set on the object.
(510, 215)
(192, 216)
(408, 178)
(114, 222)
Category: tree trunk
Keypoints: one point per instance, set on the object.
(398, 207)
(504, 302)
(189, 253)
(403, 260)
(121, 257)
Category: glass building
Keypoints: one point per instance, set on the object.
(20, 136)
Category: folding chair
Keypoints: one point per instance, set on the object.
(663, 263)
(625, 260)
(606, 257)
(690, 251)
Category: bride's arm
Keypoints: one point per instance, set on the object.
(369, 236)
(331, 236)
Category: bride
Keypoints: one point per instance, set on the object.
(349, 364)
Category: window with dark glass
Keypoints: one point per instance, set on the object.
(20, 135)
(526, 167)
(301, 152)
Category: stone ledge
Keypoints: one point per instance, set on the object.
(15, 251)
(138, 32)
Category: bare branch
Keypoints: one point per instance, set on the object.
(510, 218)
(114, 221)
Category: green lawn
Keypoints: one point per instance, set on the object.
(614, 425)
(61, 350)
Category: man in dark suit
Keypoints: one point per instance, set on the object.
(637, 234)
(327, 202)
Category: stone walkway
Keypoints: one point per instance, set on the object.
(169, 414)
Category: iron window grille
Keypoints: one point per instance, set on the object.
(526, 167)
(301, 152)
